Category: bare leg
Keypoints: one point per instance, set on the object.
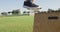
(31, 0)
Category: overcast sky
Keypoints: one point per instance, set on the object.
(8, 5)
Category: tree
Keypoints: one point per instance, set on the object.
(4, 13)
(16, 12)
(50, 10)
(58, 10)
(9, 12)
(28, 13)
(24, 12)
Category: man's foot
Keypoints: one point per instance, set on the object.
(29, 4)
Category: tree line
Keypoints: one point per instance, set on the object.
(18, 12)
(51, 10)
(13, 12)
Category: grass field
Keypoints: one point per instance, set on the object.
(16, 24)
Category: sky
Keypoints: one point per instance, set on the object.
(9, 5)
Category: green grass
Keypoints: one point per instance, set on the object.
(16, 24)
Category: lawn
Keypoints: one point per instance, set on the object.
(16, 24)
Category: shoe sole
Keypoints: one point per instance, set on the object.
(31, 7)
(35, 9)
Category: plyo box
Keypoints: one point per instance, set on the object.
(47, 22)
